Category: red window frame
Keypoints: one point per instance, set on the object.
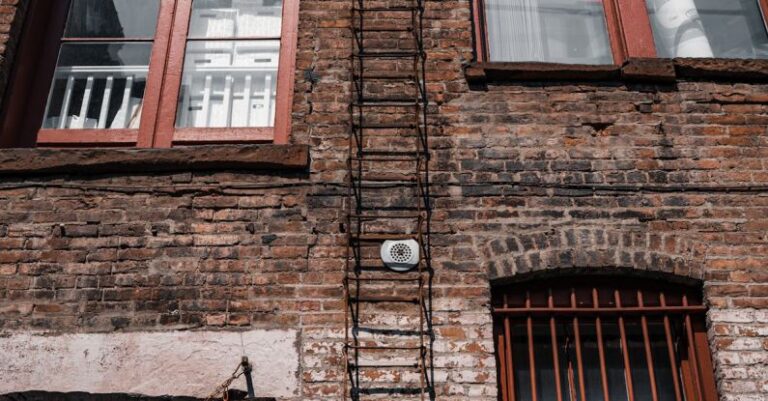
(627, 21)
(571, 303)
(40, 44)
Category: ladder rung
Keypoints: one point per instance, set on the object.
(386, 125)
(393, 54)
(386, 279)
(385, 152)
(390, 156)
(385, 216)
(374, 29)
(386, 76)
(392, 366)
(386, 299)
(386, 9)
(382, 237)
(389, 180)
(413, 332)
(386, 103)
(385, 159)
(390, 390)
(386, 347)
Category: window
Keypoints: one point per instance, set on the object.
(708, 28)
(608, 32)
(156, 73)
(602, 339)
(557, 31)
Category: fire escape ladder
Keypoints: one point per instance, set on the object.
(388, 328)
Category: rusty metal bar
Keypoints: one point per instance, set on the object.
(601, 347)
(577, 342)
(531, 352)
(624, 349)
(648, 351)
(648, 310)
(694, 365)
(503, 368)
(555, 356)
(508, 349)
(571, 381)
(671, 350)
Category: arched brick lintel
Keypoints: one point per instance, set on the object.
(593, 248)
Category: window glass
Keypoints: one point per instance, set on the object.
(236, 18)
(708, 28)
(100, 84)
(557, 31)
(112, 19)
(231, 83)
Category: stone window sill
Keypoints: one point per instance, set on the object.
(652, 70)
(37, 161)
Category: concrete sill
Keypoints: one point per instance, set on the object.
(38, 161)
(650, 70)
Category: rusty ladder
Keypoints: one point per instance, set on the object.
(388, 323)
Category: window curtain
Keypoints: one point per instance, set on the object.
(679, 28)
(518, 19)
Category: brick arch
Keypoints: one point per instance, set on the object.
(593, 247)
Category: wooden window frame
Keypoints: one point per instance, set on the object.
(627, 22)
(554, 303)
(157, 127)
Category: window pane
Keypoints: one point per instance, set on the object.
(614, 361)
(637, 360)
(521, 362)
(661, 364)
(591, 361)
(236, 18)
(98, 86)
(545, 368)
(708, 28)
(112, 19)
(229, 84)
(558, 31)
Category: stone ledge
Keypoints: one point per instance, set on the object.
(742, 70)
(652, 70)
(119, 160)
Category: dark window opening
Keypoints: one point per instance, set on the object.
(602, 339)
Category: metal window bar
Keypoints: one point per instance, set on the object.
(692, 378)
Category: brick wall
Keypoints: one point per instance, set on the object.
(527, 177)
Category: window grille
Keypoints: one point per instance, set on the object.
(599, 339)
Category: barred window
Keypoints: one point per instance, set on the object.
(602, 339)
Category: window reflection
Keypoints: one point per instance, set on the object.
(708, 28)
(560, 31)
(101, 84)
(231, 64)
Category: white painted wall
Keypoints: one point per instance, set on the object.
(189, 363)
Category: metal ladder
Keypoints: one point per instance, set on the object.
(388, 324)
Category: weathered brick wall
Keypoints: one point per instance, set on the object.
(526, 177)
(176, 250)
